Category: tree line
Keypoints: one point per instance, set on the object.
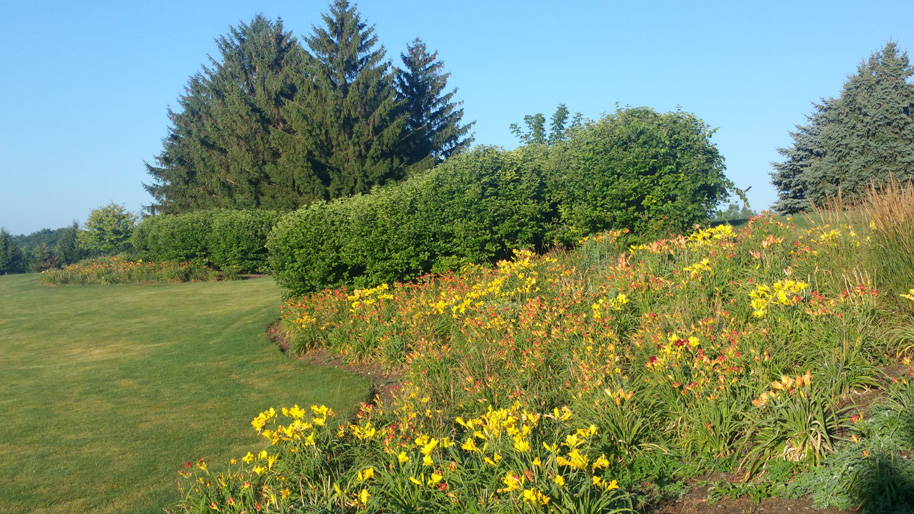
(41, 250)
(274, 123)
(107, 231)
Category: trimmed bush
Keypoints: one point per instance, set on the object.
(486, 203)
(636, 169)
(237, 239)
(226, 238)
(177, 238)
(474, 207)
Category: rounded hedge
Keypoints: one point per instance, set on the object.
(237, 239)
(637, 169)
(475, 207)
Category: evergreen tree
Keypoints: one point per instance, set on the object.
(865, 135)
(345, 127)
(869, 133)
(11, 258)
(433, 130)
(788, 177)
(42, 259)
(67, 249)
(222, 149)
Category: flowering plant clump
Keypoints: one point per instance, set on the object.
(557, 382)
(501, 461)
(120, 270)
(782, 292)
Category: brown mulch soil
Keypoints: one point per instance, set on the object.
(700, 505)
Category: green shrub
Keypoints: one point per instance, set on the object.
(485, 203)
(475, 207)
(226, 238)
(639, 170)
(174, 237)
(635, 170)
(378, 237)
(237, 239)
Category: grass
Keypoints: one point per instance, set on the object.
(106, 391)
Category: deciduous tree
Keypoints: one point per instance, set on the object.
(559, 128)
(107, 230)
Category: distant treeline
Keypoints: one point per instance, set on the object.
(40, 250)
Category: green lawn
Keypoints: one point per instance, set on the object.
(106, 391)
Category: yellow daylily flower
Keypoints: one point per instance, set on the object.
(535, 497)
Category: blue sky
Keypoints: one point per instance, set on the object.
(86, 84)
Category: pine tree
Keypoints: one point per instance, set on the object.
(345, 129)
(222, 149)
(67, 249)
(42, 258)
(433, 130)
(866, 135)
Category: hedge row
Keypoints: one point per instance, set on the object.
(469, 209)
(225, 238)
(634, 169)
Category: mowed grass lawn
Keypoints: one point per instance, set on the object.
(106, 391)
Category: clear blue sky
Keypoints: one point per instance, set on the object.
(85, 85)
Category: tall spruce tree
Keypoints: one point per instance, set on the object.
(869, 132)
(789, 176)
(433, 130)
(865, 135)
(221, 150)
(345, 125)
